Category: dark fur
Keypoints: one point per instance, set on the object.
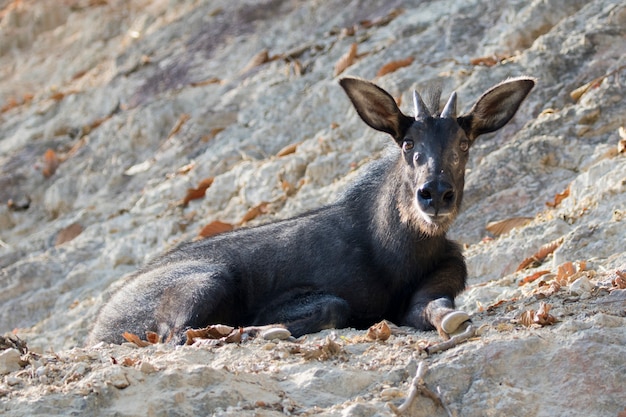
(372, 255)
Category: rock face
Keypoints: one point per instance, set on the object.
(112, 110)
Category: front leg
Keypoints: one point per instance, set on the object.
(432, 304)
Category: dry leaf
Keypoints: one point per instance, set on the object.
(255, 212)
(541, 317)
(502, 227)
(57, 96)
(489, 61)
(68, 234)
(179, 123)
(129, 361)
(619, 282)
(133, 338)
(540, 255)
(51, 162)
(327, 350)
(10, 104)
(533, 277)
(259, 59)
(346, 60)
(215, 331)
(382, 21)
(379, 331)
(287, 150)
(198, 192)
(564, 272)
(215, 228)
(213, 133)
(153, 337)
(558, 198)
(394, 66)
(213, 80)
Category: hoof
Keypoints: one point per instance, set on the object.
(454, 321)
(276, 333)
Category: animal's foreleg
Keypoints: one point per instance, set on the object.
(432, 305)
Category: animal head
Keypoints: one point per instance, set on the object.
(431, 173)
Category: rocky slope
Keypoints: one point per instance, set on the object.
(112, 110)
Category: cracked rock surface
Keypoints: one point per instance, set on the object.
(111, 110)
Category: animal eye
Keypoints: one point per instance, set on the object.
(407, 145)
(464, 145)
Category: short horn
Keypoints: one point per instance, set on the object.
(421, 111)
(449, 111)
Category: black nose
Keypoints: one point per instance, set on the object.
(436, 197)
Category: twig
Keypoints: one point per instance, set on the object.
(445, 407)
(455, 340)
(418, 386)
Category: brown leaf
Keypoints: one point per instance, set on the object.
(57, 96)
(540, 255)
(619, 282)
(533, 277)
(235, 336)
(541, 317)
(153, 337)
(254, 212)
(346, 60)
(558, 198)
(213, 133)
(502, 227)
(198, 192)
(564, 272)
(379, 331)
(394, 66)
(215, 228)
(51, 162)
(382, 21)
(287, 150)
(327, 350)
(179, 124)
(10, 104)
(69, 233)
(129, 361)
(489, 61)
(213, 80)
(259, 59)
(133, 338)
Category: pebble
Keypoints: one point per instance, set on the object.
(9, 361)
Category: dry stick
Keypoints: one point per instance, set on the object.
(418, 386)
(454, 341)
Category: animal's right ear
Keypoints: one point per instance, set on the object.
(376, 107)
(496, 107)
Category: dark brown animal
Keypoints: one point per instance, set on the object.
(379, 252)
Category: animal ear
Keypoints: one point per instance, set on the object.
(376, 107)
(496, 107)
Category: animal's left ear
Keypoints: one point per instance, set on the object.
(376, 107)
(496, 107)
